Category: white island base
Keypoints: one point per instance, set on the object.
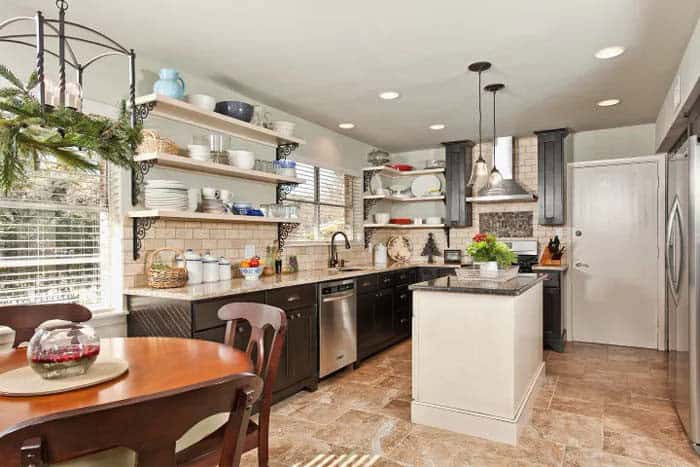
(477, 359)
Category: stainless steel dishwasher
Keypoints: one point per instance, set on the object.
(337, 326)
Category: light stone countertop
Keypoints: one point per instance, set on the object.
(237, 286)
(543, 267)
(513, 287)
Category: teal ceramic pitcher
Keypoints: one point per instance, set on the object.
(170, 84)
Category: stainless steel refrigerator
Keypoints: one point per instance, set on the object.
(683, 284)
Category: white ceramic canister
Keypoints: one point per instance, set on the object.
(380, 257)
(210, 268)
(193, 264)
(7, 338)
(224, 269)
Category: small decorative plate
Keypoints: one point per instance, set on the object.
(399, 249)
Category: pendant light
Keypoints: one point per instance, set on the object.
(495, 178)
(480, 170)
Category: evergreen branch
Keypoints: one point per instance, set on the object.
(9, 76)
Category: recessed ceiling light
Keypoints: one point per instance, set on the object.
(608, 102)
(346, 126)
(389, 95)
(437, 126)
(610, 52)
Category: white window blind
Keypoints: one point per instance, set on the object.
(327, 201)
(52, 238)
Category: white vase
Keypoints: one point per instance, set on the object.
(488, 269)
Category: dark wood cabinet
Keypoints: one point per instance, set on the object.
(428, 273)
(458, 167)
(553, 319)
(551, 176)
(301, 358)
(384, 315)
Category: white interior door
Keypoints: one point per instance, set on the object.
(615, 241)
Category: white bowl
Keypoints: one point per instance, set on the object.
(202, 101)
(382, 218)
(241, 159)
(284, 128)
(251, 274)
(433, 220)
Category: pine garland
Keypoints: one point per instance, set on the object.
(73, 138)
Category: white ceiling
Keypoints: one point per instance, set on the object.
(326, 61)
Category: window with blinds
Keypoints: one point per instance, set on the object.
(52, 244)
(327, 202)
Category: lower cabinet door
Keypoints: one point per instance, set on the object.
(402, 322)
(365, 323)
(383, 315)
(551, 310)
(301, 359)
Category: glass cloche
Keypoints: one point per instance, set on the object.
(60, 349)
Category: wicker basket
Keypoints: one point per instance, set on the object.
(165, 278)
(153, 142)
(474, 274)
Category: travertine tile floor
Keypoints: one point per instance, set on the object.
(600, 406)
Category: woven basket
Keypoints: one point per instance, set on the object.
(153, 142)
(165, 278)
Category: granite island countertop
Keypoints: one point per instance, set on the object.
(513, 287)
(237, 286)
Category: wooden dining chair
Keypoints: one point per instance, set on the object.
(142, 433)
(24, 319)
(262, 319)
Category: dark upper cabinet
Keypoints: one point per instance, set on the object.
(458, 167)
(551, 176)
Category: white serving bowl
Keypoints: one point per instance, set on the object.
(241, 159)
(284, 128)
(382, 218)
(251, 274)
(202, 101)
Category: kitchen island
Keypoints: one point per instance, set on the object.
(477, 354)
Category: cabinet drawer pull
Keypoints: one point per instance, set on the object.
(240, 329)
(293, 298)
(403, 296)
(366, 284)
(387, 280)
(298, 315)
(405, 320)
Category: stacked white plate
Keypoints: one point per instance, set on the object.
(199, 152)
(212, 206)
(166, 194)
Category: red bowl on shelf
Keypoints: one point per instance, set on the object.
(401, 167)
(400, 220)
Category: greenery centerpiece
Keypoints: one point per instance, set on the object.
(71, 138)
(484, 248)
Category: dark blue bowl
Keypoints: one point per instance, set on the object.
(235, 109)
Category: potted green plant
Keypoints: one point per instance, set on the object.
(491, 255)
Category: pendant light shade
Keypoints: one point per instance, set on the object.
(480, 169)
(495, 182)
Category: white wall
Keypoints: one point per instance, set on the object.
(613, 143)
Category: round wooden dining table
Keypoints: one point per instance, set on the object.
(159, 367)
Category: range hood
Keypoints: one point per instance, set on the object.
(509, 190)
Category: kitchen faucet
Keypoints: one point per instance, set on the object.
(333, 260)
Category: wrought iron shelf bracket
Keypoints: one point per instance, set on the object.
(368, 204)
(137, 179)
(142, 111)
(140, 225)
(285, 150)
(283, 190)
(283, 231)
(369, 232)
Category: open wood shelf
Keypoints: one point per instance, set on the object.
(388, 171)
(185, 163)
(404, 226)
(184, 112)
(203, 216)
(403, 199)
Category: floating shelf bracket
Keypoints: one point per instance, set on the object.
(283, 189)
(137, 179)
(283, 231)
(140, 225)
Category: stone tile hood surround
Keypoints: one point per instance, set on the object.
(510, 190)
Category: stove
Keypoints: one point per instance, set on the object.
(527, 253)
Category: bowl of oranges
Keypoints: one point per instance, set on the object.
(251, 268)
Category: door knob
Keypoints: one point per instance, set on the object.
(581, 264)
